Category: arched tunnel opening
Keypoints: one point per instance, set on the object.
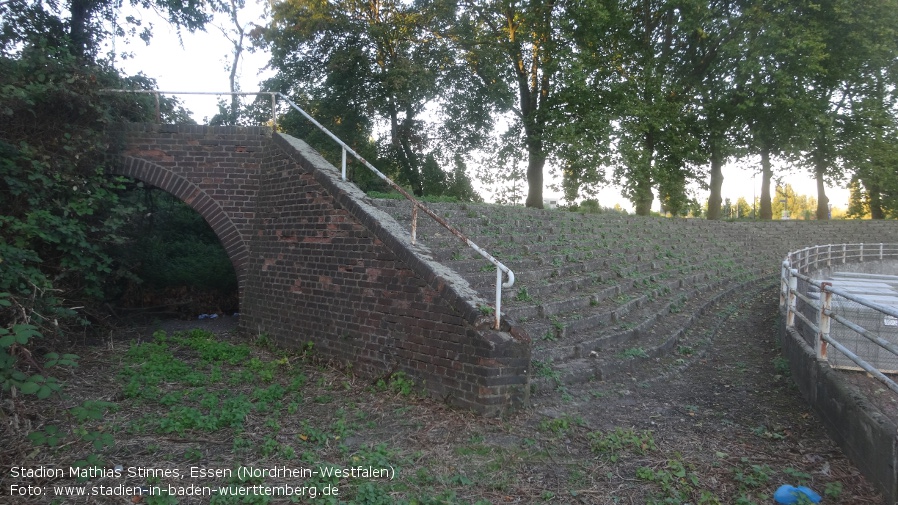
(174, 266)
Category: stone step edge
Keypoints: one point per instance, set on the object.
(585, 369)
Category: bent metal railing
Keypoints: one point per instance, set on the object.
(816, 313)
(500, 268)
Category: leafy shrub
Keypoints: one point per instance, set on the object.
(59, 209)
(13, 348)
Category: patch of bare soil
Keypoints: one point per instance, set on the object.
(719, 421)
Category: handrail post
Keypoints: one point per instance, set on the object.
(274, 112)
(414, 222)
(823, 320)
(498, 297)
(344, 164)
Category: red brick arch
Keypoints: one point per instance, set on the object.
(196, 198)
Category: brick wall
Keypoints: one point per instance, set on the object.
(214, 169)
(328, 267)
(318, 263)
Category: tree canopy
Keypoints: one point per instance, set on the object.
(653, 95)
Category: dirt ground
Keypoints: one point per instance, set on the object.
(719, 421)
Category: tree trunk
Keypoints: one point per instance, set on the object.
(644, 197)
(822, 199)
(238, 51)
(536, 161)
(767, 175)
(535, 165)
(232, 79)
(819, 171)
(820, 159)
(643, 190)
(716, 183)
(80, 15)
(405, 155)
(874, 200)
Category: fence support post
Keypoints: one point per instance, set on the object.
(790, 308)
(823, 320)
(784, 283)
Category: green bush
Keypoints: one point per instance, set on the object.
(59, 209)
(13, 344)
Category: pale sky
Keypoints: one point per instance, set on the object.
(201, 62)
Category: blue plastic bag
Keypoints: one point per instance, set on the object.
(790, 494)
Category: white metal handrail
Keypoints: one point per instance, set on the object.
(798, 264)
(812, 258)
(416, 204)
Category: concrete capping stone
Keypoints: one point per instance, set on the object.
(451, 286)
(866, 435)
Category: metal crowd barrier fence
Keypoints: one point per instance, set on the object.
(500, 268)
(812, 306)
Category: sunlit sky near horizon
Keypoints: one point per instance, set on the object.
(199, 62)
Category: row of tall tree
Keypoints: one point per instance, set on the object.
(662, 92)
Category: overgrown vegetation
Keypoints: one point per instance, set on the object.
(64, 221)
(193, 399)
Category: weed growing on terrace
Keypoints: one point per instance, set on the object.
(398, 383)
(633, 353)
(677, 483)
(561, 425)
(544, 369)
(613, 444)
(781, 366)
(557, 324)
(685, 350)
(622, 298)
